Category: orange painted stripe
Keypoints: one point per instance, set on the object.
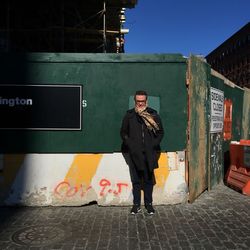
(161, 173)
(83, 169)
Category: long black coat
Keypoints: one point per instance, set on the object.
(139, 141)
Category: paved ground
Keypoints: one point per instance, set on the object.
(219, 219)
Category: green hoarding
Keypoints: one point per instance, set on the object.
(108, 81)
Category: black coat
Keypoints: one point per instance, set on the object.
(139, 141)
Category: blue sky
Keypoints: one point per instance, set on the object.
(183, 26)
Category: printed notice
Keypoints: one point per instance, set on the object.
(217, 108)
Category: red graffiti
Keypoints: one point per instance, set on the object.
(119, 185)
(104, 183)
(65, 190)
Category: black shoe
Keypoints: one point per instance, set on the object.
(135, 209)
(150, 208)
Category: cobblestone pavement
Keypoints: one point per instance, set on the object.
(219, 219)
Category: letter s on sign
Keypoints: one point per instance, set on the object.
(84, 103)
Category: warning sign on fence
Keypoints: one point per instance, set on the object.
(217, 108)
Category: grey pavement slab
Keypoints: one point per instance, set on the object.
(219, 219)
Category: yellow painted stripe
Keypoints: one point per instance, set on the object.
(161, 173)
(83, 169)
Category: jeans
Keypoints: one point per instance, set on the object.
(142, 180)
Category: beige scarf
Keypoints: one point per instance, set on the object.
(148, 119)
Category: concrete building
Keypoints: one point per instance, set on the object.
(232, 57)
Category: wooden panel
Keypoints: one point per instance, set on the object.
(198, 127)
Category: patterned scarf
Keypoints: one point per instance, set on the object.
(148, 119)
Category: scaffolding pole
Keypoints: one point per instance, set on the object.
(104, 28)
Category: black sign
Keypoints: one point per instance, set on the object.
(41, 107)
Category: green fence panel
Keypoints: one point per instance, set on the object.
(108, 81)
(216, 166)
(235, 94)
(246, 115)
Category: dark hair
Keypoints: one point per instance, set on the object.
(141, 92)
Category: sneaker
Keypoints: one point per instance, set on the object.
(150, 208)
(135, 209)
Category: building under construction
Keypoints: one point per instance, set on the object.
(84, 26)
(232, 58)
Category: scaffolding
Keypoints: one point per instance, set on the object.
(89, 26)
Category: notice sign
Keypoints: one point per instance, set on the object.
(217, 108)
(41, 107)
